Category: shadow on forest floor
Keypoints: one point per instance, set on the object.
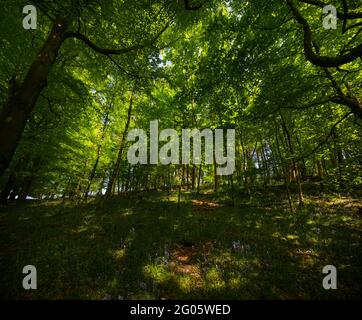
(201, 248)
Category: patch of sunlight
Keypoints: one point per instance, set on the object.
(172, 198)
(117, 254)
(308, 252)
(345, 219)
(234, 283)
(127, 213)
(161, 218)
(312, 239)
(185, 283)
(258, 225)
(277, 218)
(310, 221)
(341, 200)
(24, 218)
(80, 229)
(277, 234)
(84, 228)
(288, 237)
(308, 257)
(292, 237)
(157, 273)
(213, 279)
(224, 258)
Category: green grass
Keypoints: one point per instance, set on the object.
(157, 249)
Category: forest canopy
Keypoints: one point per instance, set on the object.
(74, 87)
(270, 70)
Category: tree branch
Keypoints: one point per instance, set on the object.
(128, 72)
(322, 61)
(109, 52)
(326, 139)
(341, 15)
(343, 99)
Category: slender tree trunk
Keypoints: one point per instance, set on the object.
(183, 175)
(178, 195)
(245, 164)
(325, 166)
(66, 189)
(303, 166)
(128, 178)
(78, 189)
(117, 165)
(338, 157)
(199, 178)
(215, 176)
(266, 172)
(193, 177)
(251, 165)
(285, 175)
(100, 190)
(28, 181)
(231, 179)
(99, 147)
(260, 165)
(294, 166)
(320, 174)
(119, 185)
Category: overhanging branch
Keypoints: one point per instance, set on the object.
(322, 61)
(107, 51)
(342, 15)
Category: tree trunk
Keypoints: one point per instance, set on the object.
(232, 191)
(199, 178)
(12, 180)
(78, 189)
(320, 174)
(284, 170)
(99, 147)
(117, 166)
(22, 98)
(193, 177)
(215, 176)
(28, 181)
(294, 166)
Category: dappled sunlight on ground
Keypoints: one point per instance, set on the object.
(200, 248)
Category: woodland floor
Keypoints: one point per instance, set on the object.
(200, 249)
